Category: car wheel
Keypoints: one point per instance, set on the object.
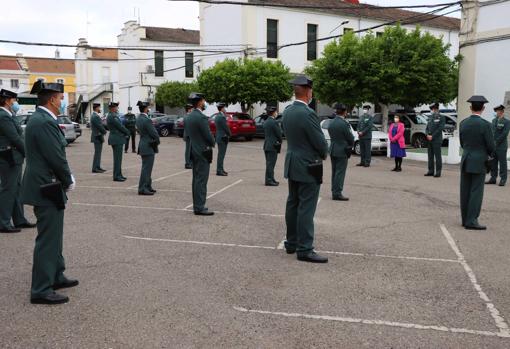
(248, 138)
(165, 132)
(419, 141)
(357, 148)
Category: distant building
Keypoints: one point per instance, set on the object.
(13, 74)
(97, 78)
(142, 71)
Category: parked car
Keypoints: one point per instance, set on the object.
(379, 139)
(240, 124)
(77, 129)
(259, 124)
(179, 126)
(65, 125)
(450, 126)
(164, 124)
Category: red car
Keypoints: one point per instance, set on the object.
(240, 124)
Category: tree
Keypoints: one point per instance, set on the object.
(174, 94)
(399, 67)
(246, 81)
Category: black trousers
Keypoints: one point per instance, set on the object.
(132, 137)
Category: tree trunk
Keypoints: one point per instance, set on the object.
(385, 111)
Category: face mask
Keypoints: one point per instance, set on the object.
(204, 106)
(15, 107)
(397, 120)
(63, 108)
(148, 111)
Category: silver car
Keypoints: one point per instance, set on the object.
(65, 125)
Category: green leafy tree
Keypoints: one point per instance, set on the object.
(246, 81)
(174, 94)
(399, 67)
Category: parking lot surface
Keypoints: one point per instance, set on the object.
(402, 271)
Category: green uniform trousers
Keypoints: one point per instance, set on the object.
(145, 183)
(339, 168)
(132, 137)
(10, 204)
(365, 151)
(98, 149)
(501, 160)
(435, 157)
(187, 153)
(49, 265)
(117, 161)
(471, 197)
(222, 150)
(271, 157)
(201, 169)
(299, 213)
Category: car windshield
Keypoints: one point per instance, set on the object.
(417, 119)
(241, 117)
(64, 120)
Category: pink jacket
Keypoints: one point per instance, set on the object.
(399, 137)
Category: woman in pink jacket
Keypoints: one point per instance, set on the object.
(398, 143)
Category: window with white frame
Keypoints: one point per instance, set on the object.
(14, 83)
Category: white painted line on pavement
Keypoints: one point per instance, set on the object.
(390, 256)
(218, 192)
(498, 318)
(163, 178)
(375, 322)
(205, 243)
(281, 245)
(129, 188)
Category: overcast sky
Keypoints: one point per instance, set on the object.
(65, 21)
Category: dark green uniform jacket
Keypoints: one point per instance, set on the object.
(130, 121)
(435, 127)
(272, 133)
(501, 128)
(11, 136)
(197, 129)
(477, 140)
(341, 137)
(222, 128)
(46, 158)
(97, 128)
(118, 133)
(149, 137)
(306, 142)
(366, 123)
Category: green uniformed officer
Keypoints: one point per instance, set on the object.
(97, 137)
(187, 152)
(272, 145)
(434, 131)
(12, 154)
(147, 148)
(118, 137)
(340, 150)
(202, 142)
(130, 124)
(306, 148)
(366, 123)
(500, 127)
(46, 165)
(222, 136)
(477, 141)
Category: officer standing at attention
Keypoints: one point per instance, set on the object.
(500, 127)
(187, 153)
(306, 149)
(272, 145)
(222, 136)
(340, 151)
(147, 148)
(202, 142)
(119, 135)
(130, 124)
(366, 123)
(434, 131)
(97, 137)
(12, 154)
(477, 140)
(47, 168)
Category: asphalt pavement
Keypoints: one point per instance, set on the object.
(402, 273)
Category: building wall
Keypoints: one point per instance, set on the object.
(7, 75)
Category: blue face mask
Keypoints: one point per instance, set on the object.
(15, 107)
(63, 108)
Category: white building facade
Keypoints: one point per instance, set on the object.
(97, 78)
(155, 55)
(257, 28)
(14, 74)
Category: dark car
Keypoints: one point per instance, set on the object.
(259, 124)
(164, 124)
(179, 126)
